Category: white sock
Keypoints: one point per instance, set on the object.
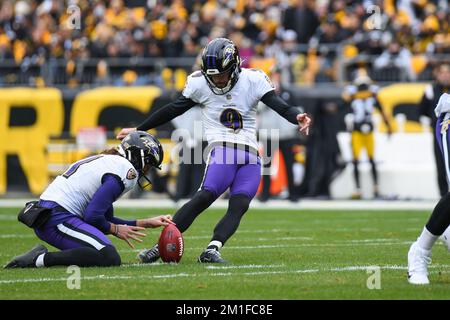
(426, 240)
(215, 243)
(40, 261)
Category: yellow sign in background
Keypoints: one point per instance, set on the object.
(30, 143)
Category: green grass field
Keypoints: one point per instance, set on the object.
(275, 254)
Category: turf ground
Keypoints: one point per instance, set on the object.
(275, 254)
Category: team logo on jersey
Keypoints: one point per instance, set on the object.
(131, 174)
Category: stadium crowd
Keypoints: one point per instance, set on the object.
(84, 43)
(303, 37)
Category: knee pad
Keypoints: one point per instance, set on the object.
(110, 256)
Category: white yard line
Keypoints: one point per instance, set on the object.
(273, 204)
(256, 239)
(272, 246)
(301, 205)
(369, 240)
(219, 274)
(14, 236)
(246, 266)
(319, 245)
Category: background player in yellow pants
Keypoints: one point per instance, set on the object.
(362, 97)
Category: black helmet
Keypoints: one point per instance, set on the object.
(142, 150)
(219, 56)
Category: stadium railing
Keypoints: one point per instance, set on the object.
(160, 71)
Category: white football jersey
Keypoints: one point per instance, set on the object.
(443, 105)
(75, 188)
(230, 117)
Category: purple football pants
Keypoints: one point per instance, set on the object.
(65, 231)
(232, 168)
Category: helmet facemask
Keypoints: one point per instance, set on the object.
(234, 75)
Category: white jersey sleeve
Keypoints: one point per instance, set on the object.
(75, 188)
(192, 86)
(443, 105)
(261, 83)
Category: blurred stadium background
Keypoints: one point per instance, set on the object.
(72, 73)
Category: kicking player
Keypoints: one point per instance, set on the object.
(419, 255)
(362, 97)
(427, 105)
(81, 204)
(228, 96)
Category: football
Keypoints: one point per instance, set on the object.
(171, 244)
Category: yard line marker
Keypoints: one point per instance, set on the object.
(256, 239)
(197, 237)
(300, 245)
(304, 204)
(321, 245)
(219, 274)
(247, 266)
(284, 238)
(369, 240)
(7, 236)
(139, 264)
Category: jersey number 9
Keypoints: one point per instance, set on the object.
(232, 119)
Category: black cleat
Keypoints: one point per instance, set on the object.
(28, 259)
(211, 256)
(149, 255)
